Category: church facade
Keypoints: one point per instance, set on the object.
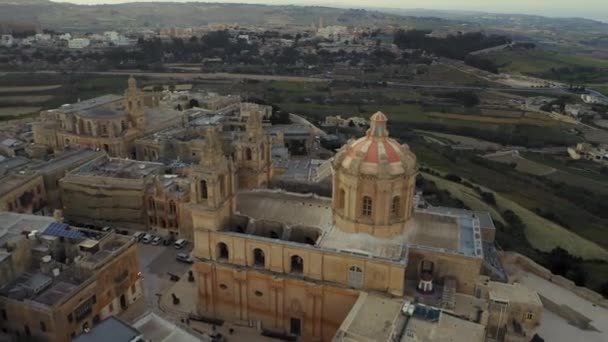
(297, 264)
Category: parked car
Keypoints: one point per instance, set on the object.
(147, 238)
(138, 236)
(156, 240)
(106, 229)
(179, 244)
(184, 257)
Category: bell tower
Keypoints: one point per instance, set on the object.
(134, 104)
(253, 155)
(213, 187)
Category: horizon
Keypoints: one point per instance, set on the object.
(589, 9)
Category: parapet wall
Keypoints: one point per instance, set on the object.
(530, 266)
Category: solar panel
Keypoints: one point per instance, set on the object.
(63, 230)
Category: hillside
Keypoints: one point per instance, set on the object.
(70, 17)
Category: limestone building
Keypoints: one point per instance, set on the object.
(110, 192)
(303, 265)
(110, 123)
(253, 157)
(57, 281)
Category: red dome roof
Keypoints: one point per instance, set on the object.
(376, 153)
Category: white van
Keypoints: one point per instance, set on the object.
(179, 244)
(138, 236)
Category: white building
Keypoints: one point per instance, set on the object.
(594, 99)
(577, 110)
(78, 43)
(42, 37)
(6, 40)
(335, 33)
(111, 36)
(65, 36)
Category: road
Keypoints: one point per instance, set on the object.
(154, 263)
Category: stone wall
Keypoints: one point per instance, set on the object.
(530, 266)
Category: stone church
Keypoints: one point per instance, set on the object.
(300, 265)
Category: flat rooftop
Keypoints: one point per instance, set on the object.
(119, 168)
(44, 288)
(513, 293)
(372, 318)
(90, 103)
(67, 159)
(433, 325)
(12, 225)
(110, 329)
(11, 181)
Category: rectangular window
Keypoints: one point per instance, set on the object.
(529, 316)
(4, 315)
(27, 330)
(70, 318)
(42, 326)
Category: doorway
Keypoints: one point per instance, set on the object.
(123, 302)
(295, 326)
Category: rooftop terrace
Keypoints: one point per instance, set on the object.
(119, 168)
(442, 232)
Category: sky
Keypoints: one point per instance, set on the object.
(596, 9)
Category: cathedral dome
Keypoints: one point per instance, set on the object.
(376, 154)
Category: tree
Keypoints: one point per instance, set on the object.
(488, 197)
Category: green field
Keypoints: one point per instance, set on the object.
(540, 63)
(23, 95)
(527, 191)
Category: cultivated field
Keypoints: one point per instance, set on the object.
(522, 164)
(20, 89)
(6, 112)
(23, 99)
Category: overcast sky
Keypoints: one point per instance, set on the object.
(597, 9)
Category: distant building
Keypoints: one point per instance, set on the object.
(59, 281)
(589, 152)
(338, 121)
(536, 103)
(6, 40)
(594, 99)
(247, 108)
(110, 122)
(79, 43)
(335, 33)
(579, 110)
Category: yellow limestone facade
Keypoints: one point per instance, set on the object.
(253, 158)
(296, 264)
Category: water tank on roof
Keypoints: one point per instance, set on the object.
(56, 272)
(46, 259)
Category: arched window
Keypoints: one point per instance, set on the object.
(204, 194)
(104, 129)
(341, 198)
(222, 251)
(248, 154)
(395, 207)
(89, 128)
(297, 264)
(366, 206)
(172, 207)
(262, 151)
(259, 259)
(355, 276)
(151, 203)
